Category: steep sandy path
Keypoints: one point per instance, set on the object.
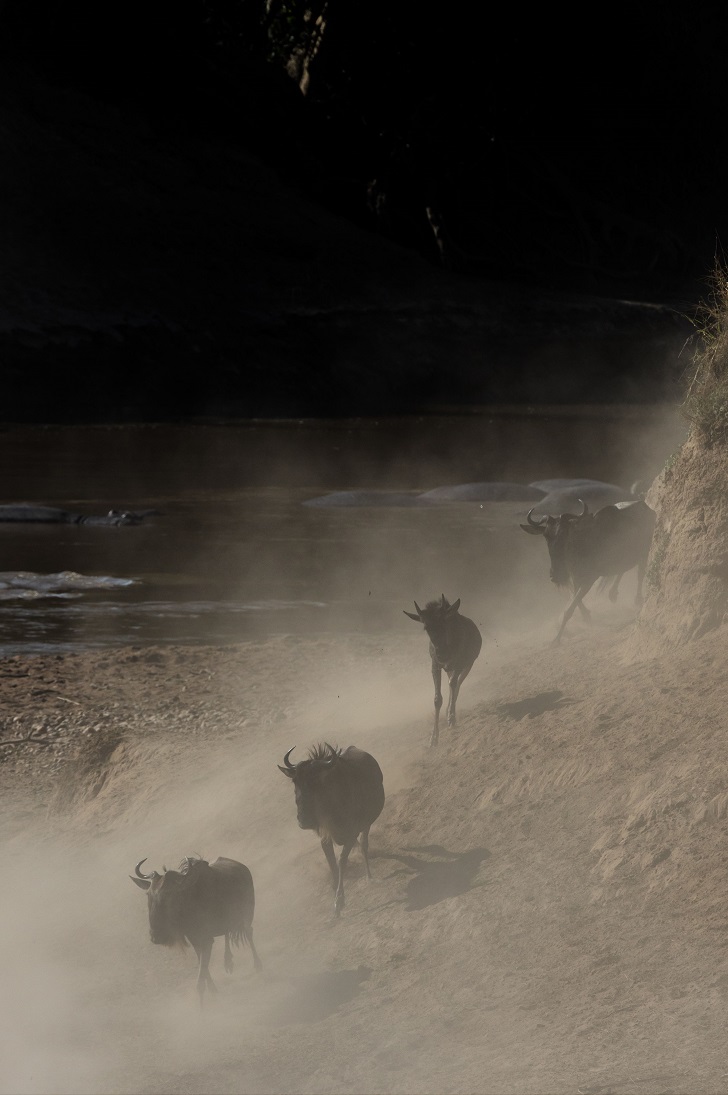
(548, 906)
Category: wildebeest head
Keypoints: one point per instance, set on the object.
(167, 899)
(557, 533)
(435, 616)
(306, 776)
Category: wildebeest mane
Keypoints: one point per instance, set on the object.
(322, 751)
(189, 863)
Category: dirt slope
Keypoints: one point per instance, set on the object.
(547, 912)
(688, 587)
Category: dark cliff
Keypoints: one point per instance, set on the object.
(159, 271)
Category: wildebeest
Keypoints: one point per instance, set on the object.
(455, 643)
(587, 546)
(198, 902)
(339, 795)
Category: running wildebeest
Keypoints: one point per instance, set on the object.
(339, 794)
(587, 546)
(455, 643)
(198, 902)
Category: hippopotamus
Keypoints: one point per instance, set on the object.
(568, 499)
(461, 492)
(53, 515)
(482, 492)
(547, 485)
(345, 498)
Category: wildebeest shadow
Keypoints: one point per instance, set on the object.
(452, 873)
(665, 1081)
(533, 706)
(316, 997)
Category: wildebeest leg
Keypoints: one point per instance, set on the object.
(339, 901)
(437, 678)
(614, 589)
(581, 591)
(249, 936)
(456, 680)
(228, 954)
(203, 952)
(585, 612)
(328, 847)
(364, 845)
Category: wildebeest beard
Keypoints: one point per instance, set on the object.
(568, 531)
(305, 815)
(560, 575)
(434, 616)
(162, 928)
(320, 756)
(167, 901)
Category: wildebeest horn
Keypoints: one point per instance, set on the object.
(286, 761)
(576, 516)
(419, 610)
(536, 524)
(139, 874)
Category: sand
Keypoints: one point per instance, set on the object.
(547, 912)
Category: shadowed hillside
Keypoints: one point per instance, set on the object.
(152, 273)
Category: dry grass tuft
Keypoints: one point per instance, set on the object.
(706, 402)
(86, 768)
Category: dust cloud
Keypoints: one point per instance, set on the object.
(90, 1005)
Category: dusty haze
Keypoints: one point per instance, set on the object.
(546, 912)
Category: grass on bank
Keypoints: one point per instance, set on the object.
(706, 401)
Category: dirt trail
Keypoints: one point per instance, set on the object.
(548, 906)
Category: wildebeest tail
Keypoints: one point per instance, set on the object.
(239, 936)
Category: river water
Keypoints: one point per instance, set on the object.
(234, 554)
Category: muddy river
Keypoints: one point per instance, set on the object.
(233, 551)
